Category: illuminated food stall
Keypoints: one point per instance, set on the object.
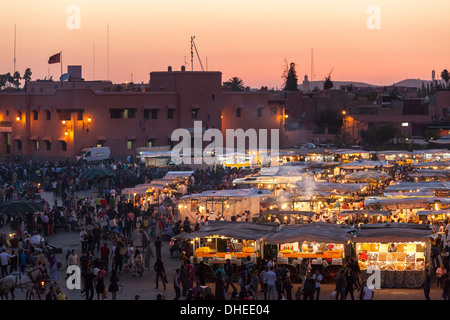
(284, 217)
(218, 241)
(365, 164)
(432, 155)
(325, 244)
(372, 216)
(227, 203)
(349, 155)
(400, 251)
(396, 156)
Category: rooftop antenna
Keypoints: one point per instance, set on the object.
(14, 48)
(107, 50)
(312, 64)
(94, 61)
(193, 46)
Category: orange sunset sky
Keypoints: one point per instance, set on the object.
(245, 38)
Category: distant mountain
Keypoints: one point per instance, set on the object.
(413, 83)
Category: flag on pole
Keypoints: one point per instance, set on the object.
(56, 58)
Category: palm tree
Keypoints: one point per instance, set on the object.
(16, 79)
(445, 76)
(235, 83)
(9, 79)
(27, 75)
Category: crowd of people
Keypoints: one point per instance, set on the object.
(108, 224)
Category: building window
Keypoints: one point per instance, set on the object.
(48, 145)
(259, 112)
(7, 113)
(79, 115)
(35, 115)
(238, 112)
(154, 113)
(122, 113)
(170, 113)
(150, 143)
(130, 144)
(100, 143)
(116, 113)
(194, 113)
(64, 115)
(129, 113)
(19, 144)
(213, 96)
(63, 145)
(36, 145)
(49, 115)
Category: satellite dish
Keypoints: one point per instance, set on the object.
(45, 78)
(51, 78)
(64, 77)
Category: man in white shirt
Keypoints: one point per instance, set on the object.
(271, 280)
(4, 258)
(317, 277)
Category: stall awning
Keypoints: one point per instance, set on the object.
(238, 230)
(395, 232)
(318, 231)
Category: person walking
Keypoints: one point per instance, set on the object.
(317, 277)
(88, 284)
(350, 287)
(229, 276)
(177, 284)
(271, 283)
(440, 272)
(158, 245)
(308, 287)
(341, 285)
(160, 272)
(427, 284)
(100, 284)
(366, 292)
(113, 284)
(446, 287)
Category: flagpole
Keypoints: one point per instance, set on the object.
(60, 78)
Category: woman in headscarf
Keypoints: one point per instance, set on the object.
(40, 262)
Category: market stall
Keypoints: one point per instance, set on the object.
(372, 216)
(218, 241)
(400, 251)
(324, 244)
(227, 203)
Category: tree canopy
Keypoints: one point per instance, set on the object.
(235, 83)
(290, 78)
